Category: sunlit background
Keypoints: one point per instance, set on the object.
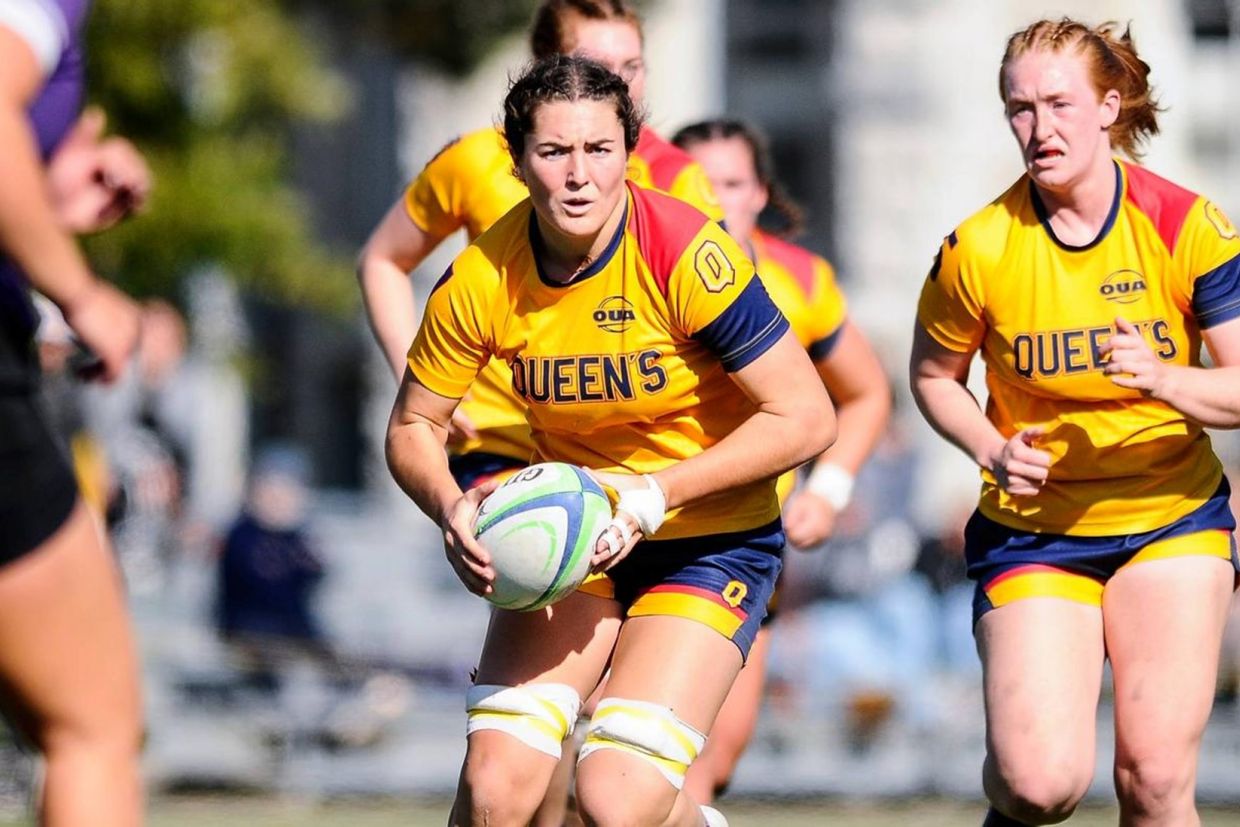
(280, 132)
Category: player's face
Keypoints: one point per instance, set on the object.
(574, 165)
(1058, 118)
(728, 163)
(615, 44)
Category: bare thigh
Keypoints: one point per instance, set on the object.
(1042, 665)
(1164, 627)
(568, 642)
(67, 656)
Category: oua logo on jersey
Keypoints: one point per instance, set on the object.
(594, 377)
(614, 314)
(1123, 287)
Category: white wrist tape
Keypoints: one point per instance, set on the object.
(833, 483)
(647, 506)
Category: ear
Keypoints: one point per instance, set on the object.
(1109, 108)
(764, 196)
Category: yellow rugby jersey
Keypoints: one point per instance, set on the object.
(625, 368)
(803, 287)
(1168, 261)
(471, 184)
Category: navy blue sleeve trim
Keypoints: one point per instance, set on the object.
(746, 330)
(1216, 295)
(823, 347)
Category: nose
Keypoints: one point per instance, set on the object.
(1041, 123)
(577, 174)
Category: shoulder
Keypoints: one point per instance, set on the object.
(1167, 205)
(803, 264)
(665, 159)
(469, 150)
(46, 26)
(664, 227)
(482, 264)
(984, 235)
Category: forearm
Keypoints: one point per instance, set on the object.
(387, 294)
(763, 446)
(954, 414)
(29, 231)
(415, 456)
(1210, 396)
(862, 421)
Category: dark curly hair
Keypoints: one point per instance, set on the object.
(564, 78)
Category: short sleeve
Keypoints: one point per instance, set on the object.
(41, 25)
(717, 299)
(452, 344)
(1209, 249)
(950, 308)
(828, 309)
(433, 199)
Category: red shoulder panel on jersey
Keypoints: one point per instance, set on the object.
(665, 159)
(664, 226)
(1165, 203)
(798, 260)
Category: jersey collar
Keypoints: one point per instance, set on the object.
(596, 266)
(1044, 219)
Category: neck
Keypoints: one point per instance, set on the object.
(566, 256)
(1079, 210)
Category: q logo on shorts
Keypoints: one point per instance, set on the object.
(734, 593)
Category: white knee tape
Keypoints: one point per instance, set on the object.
(540, 715)
(649, 731)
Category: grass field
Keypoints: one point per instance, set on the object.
(263, 812)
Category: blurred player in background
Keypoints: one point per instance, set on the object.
(688, 406)
(67, 658)
(802, 285)
(1103, 528)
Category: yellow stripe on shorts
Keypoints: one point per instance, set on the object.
(1043, 581)
(679, 604)
(1212, 542)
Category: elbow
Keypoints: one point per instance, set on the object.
(819, 428)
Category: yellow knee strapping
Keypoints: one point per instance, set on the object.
(649, 731)
(540, 715)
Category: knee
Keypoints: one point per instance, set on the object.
(633, 763)
(115, 736)
(610, 796)
(495, 791)
(1039, 793)
(1153, 784)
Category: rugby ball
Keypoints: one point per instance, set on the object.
(540, 528)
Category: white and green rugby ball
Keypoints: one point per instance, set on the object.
(540, 528)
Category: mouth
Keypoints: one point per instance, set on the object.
(577, 206)
(1044, 156)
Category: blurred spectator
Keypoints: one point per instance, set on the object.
(269, 571)
(141, 421)
(879, 612)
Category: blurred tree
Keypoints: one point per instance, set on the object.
(210, 90)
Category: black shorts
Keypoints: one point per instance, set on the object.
(37, 486)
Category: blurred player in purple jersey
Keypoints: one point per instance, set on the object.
(1103, 530)
(68, 665)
